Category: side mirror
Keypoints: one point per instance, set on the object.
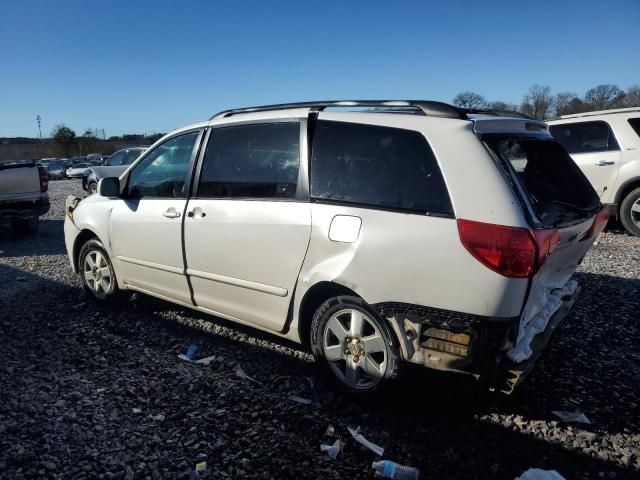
(109, 187)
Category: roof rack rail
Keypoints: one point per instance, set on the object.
(498, 113)
(429, 108)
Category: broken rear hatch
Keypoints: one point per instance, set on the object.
(565, 214)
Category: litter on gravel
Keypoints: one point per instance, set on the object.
(539, 474)
(571, 417)
(200, 361)
(363, 441)
(297, 399)
(241, 374)
(332, 450)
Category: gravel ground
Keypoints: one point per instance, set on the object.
(92, 391)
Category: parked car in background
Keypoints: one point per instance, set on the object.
(23, 195)
(93, 158)
(56, 170)
(113, 167)
(46, 161)
(606, 146)
(422, 233)
(78, 170)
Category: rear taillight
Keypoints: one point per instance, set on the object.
(510, 251)
(44, 179)
(599, 222)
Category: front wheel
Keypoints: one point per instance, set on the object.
(630, 212)
(350, 341)
(93, 188)
(96, 271)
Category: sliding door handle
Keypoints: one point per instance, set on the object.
(604, 163)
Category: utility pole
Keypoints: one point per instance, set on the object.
(39, 119)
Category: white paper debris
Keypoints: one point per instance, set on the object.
(332, 450)
(206, 360)
(577, 416)
(240, 373)
(363, 441)
(297, 399)
(539, 474)
(136, 410)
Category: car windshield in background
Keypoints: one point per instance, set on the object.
(557, 189)
(635, 124)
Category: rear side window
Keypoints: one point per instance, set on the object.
(635, 124)
(252, 161)
(557, 189)
(585, 137)
(377, 166)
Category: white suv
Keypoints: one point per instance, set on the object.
(402, 231)
(606, 147)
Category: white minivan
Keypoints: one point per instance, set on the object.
(373, 232)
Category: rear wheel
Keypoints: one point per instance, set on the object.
(96, 271)
(630, 212)
(350, 341)
(27, 226)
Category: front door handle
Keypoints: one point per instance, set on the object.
(171, 213)
(604, 163)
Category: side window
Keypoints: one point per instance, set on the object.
(377, 166)
(116, 159)
(252, 161)
(131, 156)
(635, 124)
(163, 172)
(585, 137)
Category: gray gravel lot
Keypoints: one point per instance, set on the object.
(73, 372)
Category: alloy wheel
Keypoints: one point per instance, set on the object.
(97, 273)
(355, 349)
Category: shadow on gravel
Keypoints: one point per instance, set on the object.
(48, 241)
(60, 344)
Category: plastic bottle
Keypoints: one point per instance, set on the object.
(389, 469)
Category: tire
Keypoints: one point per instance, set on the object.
(29, 226)
(359, 361)
(93, 188)
(96, 271)
(629, 217)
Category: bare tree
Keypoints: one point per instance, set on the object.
(632, 96)
(469, 100)
(563, 103)
(538, 102)
(505, 107)
(603, 96)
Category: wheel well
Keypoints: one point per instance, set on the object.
(315, 297)
(624, 191)
(81, 239)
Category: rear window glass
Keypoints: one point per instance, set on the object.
(585, 137)
(557, 189)
(377, 166)
(635, 124)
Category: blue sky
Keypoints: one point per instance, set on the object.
(130, 66)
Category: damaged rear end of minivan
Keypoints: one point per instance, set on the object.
(565, 217)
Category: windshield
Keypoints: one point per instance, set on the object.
(557, 190)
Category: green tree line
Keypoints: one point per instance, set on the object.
(541, 103)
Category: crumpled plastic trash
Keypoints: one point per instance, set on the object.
(201, 361)
(158, 418)
(363, 441)
(136, 411)
(332, 450)
(539, 474)
(191, 351)
(297, 399)
(241, 374)
(569, 417)
(201, 467)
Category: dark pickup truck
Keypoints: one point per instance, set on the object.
(23, 194)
